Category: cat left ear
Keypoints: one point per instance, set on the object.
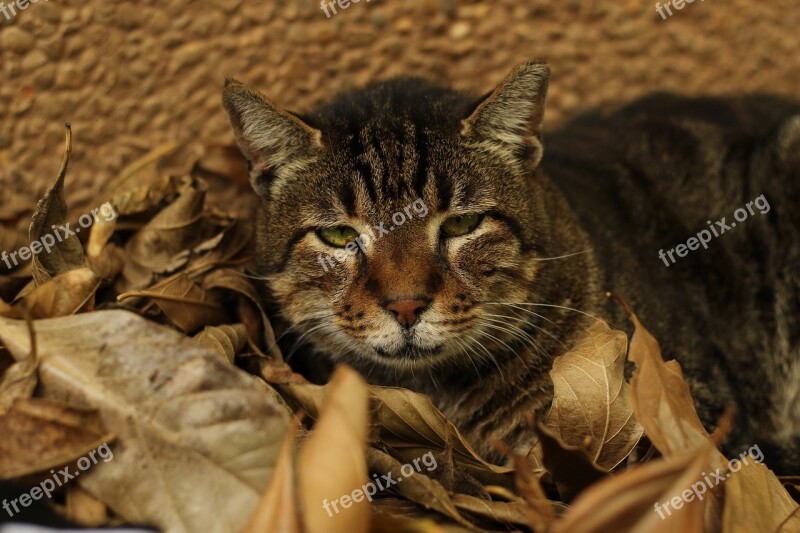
(510, 117)
(274, 141)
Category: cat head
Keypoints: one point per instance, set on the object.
(398, 220)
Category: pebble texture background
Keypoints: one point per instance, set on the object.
(130, 76)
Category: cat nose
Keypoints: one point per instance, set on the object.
(407, 311)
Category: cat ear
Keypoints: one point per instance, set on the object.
(510, 117)
(274, 141)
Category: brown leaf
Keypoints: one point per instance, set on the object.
(227, 340)
(592, 398)
(416, 487)
(501, 512)
(626, 503)
(571, 466)
(148, 197)
(331, 462)
(186, 304)
(65, 294)
(661, 398)
(84, 509)
(756, 501)
(235, 281)
(278, 509)
(197, 439)
(539, 510)
(19, 380)
(66, 252)
(164, 244)
(40, 434)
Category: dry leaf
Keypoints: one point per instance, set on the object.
(756, 501)
(65, 294)
(539, 510)
(227, 340)
(500, 512)
(418, 487)
(278, 509)
(571, 467)
(331, 463)
(40, 434)
(661, 398)
(197, 440)
(65, 253)
(163, 245)
(238, 283)
(84, 509)
(625, 503)
(186, 304)
(19, 380)
(591, 397)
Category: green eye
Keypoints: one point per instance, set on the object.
(337, 236)
(461, 225)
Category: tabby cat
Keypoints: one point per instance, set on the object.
(470, 303)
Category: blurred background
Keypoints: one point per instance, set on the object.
(131, 76)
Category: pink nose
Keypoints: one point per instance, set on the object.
(407, 311)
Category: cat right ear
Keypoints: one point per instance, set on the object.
(509, 119)
(275, 142)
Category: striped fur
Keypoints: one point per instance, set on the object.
(510, 296)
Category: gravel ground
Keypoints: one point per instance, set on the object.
(130, 76)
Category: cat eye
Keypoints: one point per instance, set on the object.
(337, 236)
(461, 225)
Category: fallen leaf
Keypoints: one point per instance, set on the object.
(626, 503)
(227, 340)
(499, 512)
(40, 434)
(539, 511)
(84, 509)
(571, 467)
(278, 509)
(19, 380)
(661, 398)
(49, 223)
(331, 464)
(65, 294)
(197, 439)
(592, 399)
(163, 245)
(756, 501)
(186, 304)
(240, 284)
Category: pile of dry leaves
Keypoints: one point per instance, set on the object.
(137, 333)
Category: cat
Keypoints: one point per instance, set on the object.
(471, 303)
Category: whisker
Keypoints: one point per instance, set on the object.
(561, 307)
(562, 256)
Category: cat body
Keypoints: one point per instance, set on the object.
(470, 303)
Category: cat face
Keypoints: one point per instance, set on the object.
(398, 219)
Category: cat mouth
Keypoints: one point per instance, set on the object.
(410, 351)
